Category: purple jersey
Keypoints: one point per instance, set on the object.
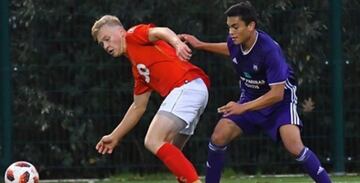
(259, 68)
(263, 65)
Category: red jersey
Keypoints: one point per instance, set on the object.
(155, 65)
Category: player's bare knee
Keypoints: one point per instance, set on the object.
(294, 149)
(219, 139)
(150, 144)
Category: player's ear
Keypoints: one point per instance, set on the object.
(251, 25)
(120, 29)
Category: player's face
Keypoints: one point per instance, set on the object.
(238, 30)
(111, 38)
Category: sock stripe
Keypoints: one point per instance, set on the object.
(303, 154)
(214, 147)
(312, 166)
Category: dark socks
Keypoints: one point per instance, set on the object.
(215, 163)
(312, 166)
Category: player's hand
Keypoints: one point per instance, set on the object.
(107, 144)
(182, 50)
(192, 40)
(232, 108)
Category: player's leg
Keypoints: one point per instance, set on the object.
(161, 132)
(224, 132)
(180, 140)
(290, 135)
(183, 105)
(163, 129)
(184, 135)
(287, 123)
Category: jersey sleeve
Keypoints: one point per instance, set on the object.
(139, 85)
(233, 48)
(140, 33)
(230, 44)
(276, 67)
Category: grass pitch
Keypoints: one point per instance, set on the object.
(168, 178)
(354, 178)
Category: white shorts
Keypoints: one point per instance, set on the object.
(187, 102)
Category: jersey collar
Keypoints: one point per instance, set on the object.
(252, 46)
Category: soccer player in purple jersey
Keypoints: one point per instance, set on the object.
(267, 101)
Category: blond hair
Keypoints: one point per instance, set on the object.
(104, 20)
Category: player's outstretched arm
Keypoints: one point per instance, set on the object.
(219, 48)
(166, 34)
(108, 142)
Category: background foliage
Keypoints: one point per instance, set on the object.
(68, 92)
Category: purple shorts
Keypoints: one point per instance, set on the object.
(269, 119)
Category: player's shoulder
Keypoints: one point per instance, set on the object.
(138, 34)
(233, 48)
(139, 27)
(230, 44)
(136, 27)
(267, 42)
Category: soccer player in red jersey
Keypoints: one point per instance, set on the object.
(159, 63)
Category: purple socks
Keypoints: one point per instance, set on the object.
(215, 163)
(312, 166)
